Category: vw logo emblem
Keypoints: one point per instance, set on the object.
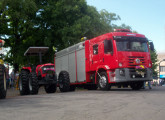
(137, 61)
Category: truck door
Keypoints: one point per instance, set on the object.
(95, 56)
(109, 57)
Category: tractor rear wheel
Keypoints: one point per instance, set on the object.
(64, 81)
(33, 83)
(3, 87)
(23, 82)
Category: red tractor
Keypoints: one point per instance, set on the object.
(33, 76)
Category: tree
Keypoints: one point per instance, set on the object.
(107, 20)
(66, 21)
(122, 26)
(16, 17)
(53, 23)
(154, 62)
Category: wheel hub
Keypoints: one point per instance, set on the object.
(61, 85)
(102, 81)
(20, 85)
(5, 82)
(30, 85)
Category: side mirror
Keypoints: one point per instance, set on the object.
(152, 46)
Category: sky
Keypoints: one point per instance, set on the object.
(147, 17)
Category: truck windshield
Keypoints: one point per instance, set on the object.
(138, 45)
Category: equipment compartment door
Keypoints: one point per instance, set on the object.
(81, 76)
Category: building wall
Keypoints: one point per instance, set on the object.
(161, 56)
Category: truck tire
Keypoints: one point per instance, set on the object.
(3, 87)
(103, 81)
(136, 85)
(33, 83)
(64, 81)
(23, 82)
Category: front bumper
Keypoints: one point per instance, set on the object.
(129, 75)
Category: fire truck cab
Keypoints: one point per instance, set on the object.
(117, 58)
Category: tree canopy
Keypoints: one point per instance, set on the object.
(154, 63)
(53, 23)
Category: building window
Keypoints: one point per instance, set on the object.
(95, 49)
(162, 68)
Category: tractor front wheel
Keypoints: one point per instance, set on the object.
(23, 82)
(50, 88)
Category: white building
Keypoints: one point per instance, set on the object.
(161, 66)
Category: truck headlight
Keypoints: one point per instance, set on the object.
(122, 72)
(120, 64)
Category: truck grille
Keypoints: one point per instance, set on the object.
(132, 59)
(134, 74)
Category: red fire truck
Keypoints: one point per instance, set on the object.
(117, 58)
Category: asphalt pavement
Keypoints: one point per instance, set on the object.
(116, 104)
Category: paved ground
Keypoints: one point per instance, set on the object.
(117, 104)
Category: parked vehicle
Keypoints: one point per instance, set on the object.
(117, 58)
(3, 86)
(33, 76)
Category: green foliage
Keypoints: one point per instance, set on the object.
(16, 18)
(53, 23)
(154, 62)
(107, 19)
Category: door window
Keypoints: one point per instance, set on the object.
(95, 49)
(108, 47)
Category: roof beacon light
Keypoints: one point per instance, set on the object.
(83, 38)
(122, 30)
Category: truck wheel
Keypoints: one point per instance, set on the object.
(103, 81)
(136, 85)
(23, 82)
(64, 81)
(3, 87)
(50, 88)
(33, 83)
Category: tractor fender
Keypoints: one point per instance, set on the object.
(27, 68)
